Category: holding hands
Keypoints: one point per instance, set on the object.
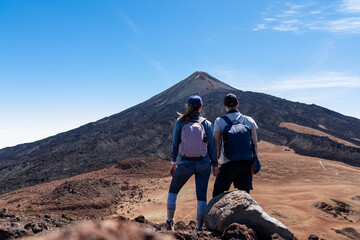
(172, 169)
(215, 171)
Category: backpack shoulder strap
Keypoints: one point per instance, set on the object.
(201, 120)
(227, 120)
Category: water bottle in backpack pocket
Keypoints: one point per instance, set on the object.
(237, 140)
(193, 144)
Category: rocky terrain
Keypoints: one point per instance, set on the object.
(124, 228)
(16, 226)
(145, 130)
(310, 196)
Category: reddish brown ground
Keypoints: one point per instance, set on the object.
(322, 126)
(288, 188)
(312, 131)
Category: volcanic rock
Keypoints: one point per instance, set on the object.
(313, 237)
(276, 236)
(6, 233)
(336, 209)
(240, 207)
(238, 231)
(348, 232)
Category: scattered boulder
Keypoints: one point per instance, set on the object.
(356, 198)
(5, 214)
(6, 233)
(191, 235)
(348, 232)
(192, 224)
(313, 237)
(181, 226)
(36, 229)
(123, 165)
(336, 209)
(276, 236)
(140, 219)
(10, 233)
(240, 207)
(18, 226)
(238, 231)
(21, 232)
(185, 235)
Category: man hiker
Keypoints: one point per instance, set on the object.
(235, 137)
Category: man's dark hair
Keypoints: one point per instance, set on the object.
(231, 100)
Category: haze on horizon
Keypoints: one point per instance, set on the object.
(64, 63)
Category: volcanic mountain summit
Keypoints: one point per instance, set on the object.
(199, 83)
(145, 130)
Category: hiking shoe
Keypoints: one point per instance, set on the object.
(170, 225)
(198, 228)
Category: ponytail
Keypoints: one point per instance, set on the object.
(191, 113)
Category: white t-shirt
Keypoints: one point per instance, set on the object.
(220, 124)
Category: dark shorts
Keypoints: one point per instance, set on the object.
(236, 172)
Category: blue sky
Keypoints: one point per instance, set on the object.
(65, 63)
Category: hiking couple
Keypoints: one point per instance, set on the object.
(194, 151)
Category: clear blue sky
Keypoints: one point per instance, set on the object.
(65, 63)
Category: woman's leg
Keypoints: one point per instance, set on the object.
(182, 174)
(202, 175)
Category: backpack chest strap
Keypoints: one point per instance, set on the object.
(240, 119)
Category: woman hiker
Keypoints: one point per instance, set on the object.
(193, 152)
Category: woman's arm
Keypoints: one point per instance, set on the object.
(176, 141)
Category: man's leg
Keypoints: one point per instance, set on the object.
(224, 179)
(243, 180)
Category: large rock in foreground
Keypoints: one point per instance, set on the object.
(108, 229)
(240, 207)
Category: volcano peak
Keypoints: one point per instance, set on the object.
(198, 83)
(200, 74)
(201, 80)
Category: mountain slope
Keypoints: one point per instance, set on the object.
(145, 130)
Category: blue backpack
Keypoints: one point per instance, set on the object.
(237, 140)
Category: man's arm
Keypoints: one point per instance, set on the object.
(254, 139)
(217, 136)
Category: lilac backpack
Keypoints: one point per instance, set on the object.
(193, 144)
